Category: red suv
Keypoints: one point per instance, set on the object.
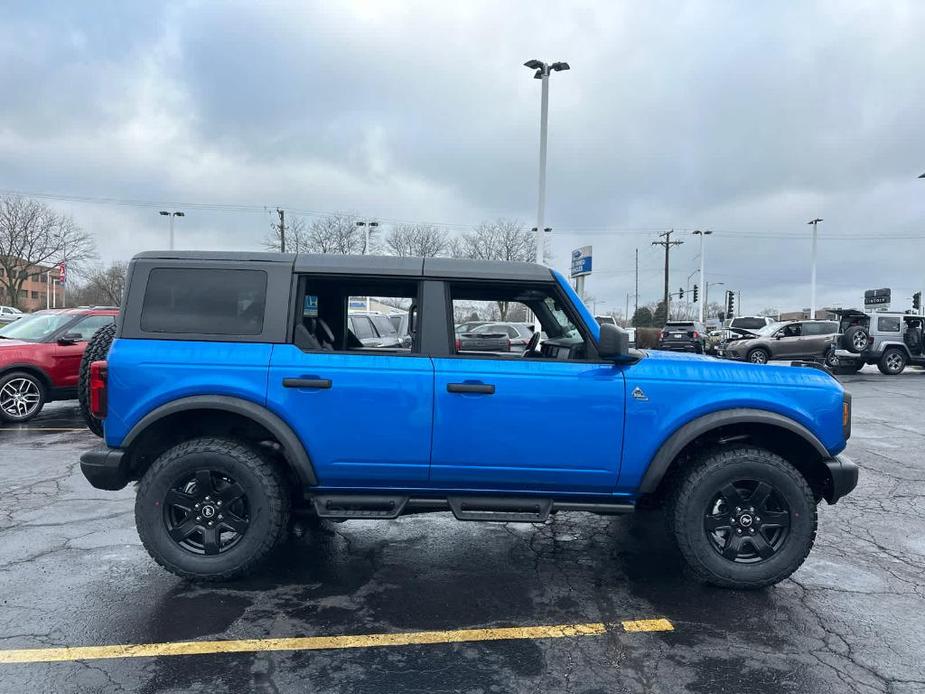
(40, 357)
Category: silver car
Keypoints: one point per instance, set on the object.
(8, 314)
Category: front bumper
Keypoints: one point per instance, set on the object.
(843, 474)
(105, 468)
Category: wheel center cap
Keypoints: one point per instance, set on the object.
(208, 511)
(745, 520)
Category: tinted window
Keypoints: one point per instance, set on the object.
(820, 328)
(384, 326)
(748, 323)
(362, 328)
(888, 324)
(206, 302)
(89, 325)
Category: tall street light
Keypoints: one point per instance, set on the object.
(706, 290)
(369, 228)
(165, 213)
(812, 298)
(543, 71)
(702, 235)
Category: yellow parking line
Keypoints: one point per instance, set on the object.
(312, 643)
(648, 625)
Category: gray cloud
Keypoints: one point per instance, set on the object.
(742, 118)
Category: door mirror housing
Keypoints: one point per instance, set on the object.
(614, 343)
(70, 338)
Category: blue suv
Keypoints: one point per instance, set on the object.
(235, 393)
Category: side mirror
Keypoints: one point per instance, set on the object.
(614, 342)
(70, 338)
(778, 336)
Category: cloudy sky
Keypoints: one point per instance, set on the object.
(743, 118)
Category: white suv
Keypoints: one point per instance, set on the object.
(8, 314)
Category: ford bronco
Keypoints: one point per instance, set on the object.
(235, 393)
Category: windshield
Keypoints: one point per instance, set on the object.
(769, 329)
(36, 327)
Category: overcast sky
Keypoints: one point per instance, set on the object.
(745, 118)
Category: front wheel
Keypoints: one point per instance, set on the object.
(742, 517)
(759, 356)
(211, 509)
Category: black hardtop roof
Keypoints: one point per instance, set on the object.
(460, 268)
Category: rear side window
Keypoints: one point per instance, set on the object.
(820, 328)
(362, 328)
(888, 324)
(204, 301)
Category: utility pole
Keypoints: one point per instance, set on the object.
(282, 229)
(636, 302)
(812, 301)
(667, 244)
(702, 235)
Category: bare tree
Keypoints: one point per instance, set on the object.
(771, 312)
(34, 236)
(416, 240)
(104, 285)
(296, 236)
(502, 239)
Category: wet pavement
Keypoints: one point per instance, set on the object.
(73, 573)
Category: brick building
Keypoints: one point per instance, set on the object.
(35, 293)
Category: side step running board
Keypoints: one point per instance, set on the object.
(502, 509)
(359, 506)
(518, 509)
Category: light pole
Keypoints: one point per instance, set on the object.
(165, 213)
(706, 290)
(812, 298)
(542, 73)
(702, 235)
(369, 228)
(546, 230)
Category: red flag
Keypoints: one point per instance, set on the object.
(62, 272)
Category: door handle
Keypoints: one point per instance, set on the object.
(483, 388)
(306, 383)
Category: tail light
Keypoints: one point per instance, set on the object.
(98, 374)
(509, 344)
(695, 335)
(458, 344)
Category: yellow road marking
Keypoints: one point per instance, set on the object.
(648, 625)
(310, 643)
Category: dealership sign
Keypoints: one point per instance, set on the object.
(877, 298)
(581, 261)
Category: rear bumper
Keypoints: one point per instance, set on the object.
(105, 468)
(680, 346)
(844, 477)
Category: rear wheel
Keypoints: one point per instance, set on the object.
(22, 396)
(759, 355)
(742, 517)
(97, 350)
(211, 509)
(892, 362)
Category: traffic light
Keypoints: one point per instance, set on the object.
(917, 301)
(681, 293)
(695, 293)
(730, 303)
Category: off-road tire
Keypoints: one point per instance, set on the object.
(855, 339)
(892, 362)
(35, 385)
(267, 496)
(753, 355)
(702, 479)
(97, 349)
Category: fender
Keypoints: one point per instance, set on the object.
(690, 431)
(293, 450)
(32, 368)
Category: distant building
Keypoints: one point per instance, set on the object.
(821, 314)
(35, 293)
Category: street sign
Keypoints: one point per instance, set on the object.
(877, 298)
(581, 261)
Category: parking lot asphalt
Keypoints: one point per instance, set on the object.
(429, 604)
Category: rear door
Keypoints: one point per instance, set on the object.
(364, 413)
(816, 338)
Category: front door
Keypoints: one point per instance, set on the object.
(549, 420)
(364, 414)
(789, 344)
(68, 353)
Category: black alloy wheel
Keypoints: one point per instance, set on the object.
(206, 513)
(747, 521)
